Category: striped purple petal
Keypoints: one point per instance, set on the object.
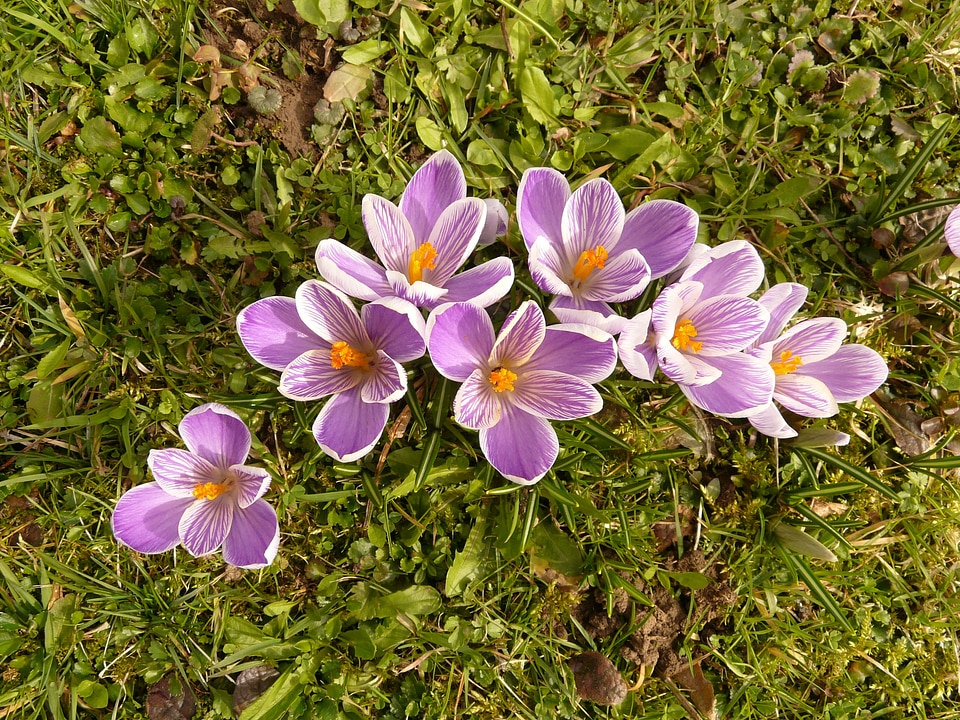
(727, 324)
(577, 311)
(811, 340)
(254, 537)
(178, 471)
(555, 395)
(396, 327)
(350, 272)
(389, 232)
(951, 231)
(541, 198)
(347, 428)
(731, 268)
(251, 484)
(330, 314)
(217, 434)
(770, 422)
(547, 268)
(460, 338)
(782, 302)
(637, 347)
(436, 185)
(312, 377)
(805, 395)
(851, 373)
(482, 285)
(593, 216)
(623, 277)
(273, 333)
(521, 447)
(744, 387)
(476, 405)
(385, 382)
(663, 231)
(520, 336)
(206, 523)
(147, 518)
(455, 237)
(581, 350)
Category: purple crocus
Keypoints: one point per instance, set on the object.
(697, 329)
(588, 252)
(517, 381)
(325, 348)
(203, 497)
(951, 231)
(814, 369)
(422, 243)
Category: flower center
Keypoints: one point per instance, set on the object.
(502, 379)
(683, 337)
(210, 490)
(589, 261)
(423, 258)
(787, 364)
(342, 354)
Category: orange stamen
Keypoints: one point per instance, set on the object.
(342, 354)
(423, 258)
(787, 364)
(589, 261)
(209, 490)
(683, 337)
(502, 379)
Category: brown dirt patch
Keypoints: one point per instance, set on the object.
(247, 27)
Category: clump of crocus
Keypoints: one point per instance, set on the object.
(697, 330)
(325, 348)
(422, 243)
(588, 252)
(813, 368)
(203, 497)
(514, 383)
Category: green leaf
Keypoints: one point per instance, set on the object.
(22, 276)
(820, 594)
(364, 52)
(100, 136)
(93, 693)
(51, 361)
(327, 14)
(45, 402)
(467, 562)
(415, 600)
(550, 547)
(793, 538)
(537, 96)
(854, 472)
(690, 580)
(141, 37)
(430, 133)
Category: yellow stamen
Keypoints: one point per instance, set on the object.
(683, 337)
(589, 261)
(423, 258)
(210, 490)
(502, 379)
(787, 364)
(342, 354)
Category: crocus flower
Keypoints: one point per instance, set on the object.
(814, 370)
(951, 231)
(203, 497)
(588, 252)
(697, 329)
(422, 242)
(514, 383)
(325, 348)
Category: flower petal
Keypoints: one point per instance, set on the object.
(396, 327)
(580, 350)
(546, 268)
(350, 272)
(592, 217)
(811, 340)
(147, 518)
(663, 231)
(216, 433)
(522, 447)
(520, 335)
(460, 339)
(770, 422)
(476, 405)
(782, 302)
(731, 268)
(726, 324)
(455, 237)
(556, 395)
(482, 285)
(951, 231)
(419, 293)
(254, 537)
(386, 383)
(436, 185)
(251, 484)
(178, 471)
(676, 366)
(541, 198)
(273, 333)
(312, 376)
(805, 395)
(673, 300)
(495, 223)
(389, 231)
(851, 373)
(206, 523)
(744, 387)
(576, 311)
(330, 314)
(622, 278)
(347, 428)
(637, 349)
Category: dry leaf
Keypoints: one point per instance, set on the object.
(162, 704)
(71, 319)
(251, 684)
(691, 679)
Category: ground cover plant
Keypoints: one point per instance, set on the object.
(171, 167)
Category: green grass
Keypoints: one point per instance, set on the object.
(135, 224)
